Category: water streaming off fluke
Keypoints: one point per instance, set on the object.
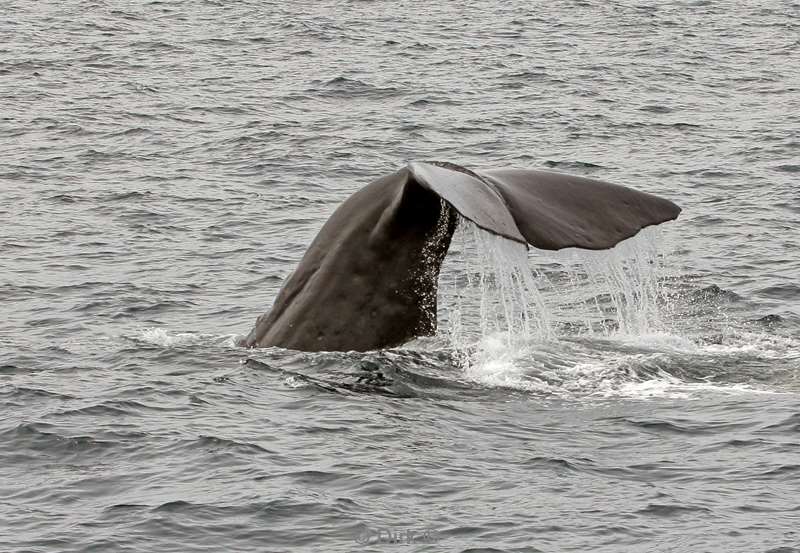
(540, 295)
(516, 317)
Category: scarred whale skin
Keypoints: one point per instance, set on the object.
(369, 278)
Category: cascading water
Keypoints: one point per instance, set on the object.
(494, 286)
(511, 319)
(617, 291)
(493, 290)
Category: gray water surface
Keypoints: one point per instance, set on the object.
(163, 166)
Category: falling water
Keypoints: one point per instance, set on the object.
(517, 303)
(492, 282)
(610, 292)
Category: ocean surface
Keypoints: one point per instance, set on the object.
(164, 165)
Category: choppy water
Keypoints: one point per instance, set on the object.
(163, 166)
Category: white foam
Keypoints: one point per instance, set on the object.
(759, 344)
(164, 338)
(573, 370)
(295, 382)
(495, 363)
(158, 336)
(658, 341)
(506, 322)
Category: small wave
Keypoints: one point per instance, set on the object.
(680, 426)
(31, 440)
(223, 110)
(126, 507)
(177, 506)
(781, 292)
(226, 444)
(101, 410)
(790, 425)
(361, 383)
(559, 465)
(261, 39)
(8, 368)
(143, 306)
(656, 108)
(123, 196)
(28, 393)
(342, 86)
(133, 131)
(425, 102)
(770, 320)
(577, 165)
(781, 470)
(530, 76)
(715, 292)
(711, 174)
(65, 198)
(159, 47)
(672, 510)
(197, 510)
(396, 373)
(217, 41)
(681, 125)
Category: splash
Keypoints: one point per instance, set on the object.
(161, 337)
(493, 288)
(165, 338)
(513, 316)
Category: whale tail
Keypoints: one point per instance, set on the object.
(547, 210)
(369, 278)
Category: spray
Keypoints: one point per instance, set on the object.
(501, 303)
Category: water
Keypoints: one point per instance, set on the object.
(164, 165)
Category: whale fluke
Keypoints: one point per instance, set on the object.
(555, 211)
(369, 278)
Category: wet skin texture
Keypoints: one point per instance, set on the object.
(369, 278)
